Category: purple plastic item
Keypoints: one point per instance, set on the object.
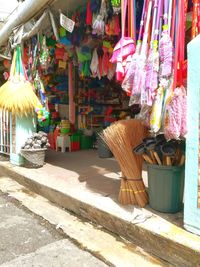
(152, 67)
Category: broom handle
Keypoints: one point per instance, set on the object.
(142, 21)
(166, 12)
(157, 158)
(124, 11)
(22, 67)
(159, 15)
(182, 161)
(145, 37)
(155, 9)
(147, 158)
(13, 66)
(152, 157)
(170, 15)
(168, 160)
(17, 62)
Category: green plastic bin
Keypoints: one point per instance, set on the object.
(86, 142)
(165, 187)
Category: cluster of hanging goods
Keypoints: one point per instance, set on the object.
(153, 72)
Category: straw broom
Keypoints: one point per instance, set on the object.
(121, 137)
(17, 95)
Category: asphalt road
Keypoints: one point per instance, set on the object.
(27, 240)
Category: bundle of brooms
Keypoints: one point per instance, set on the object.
(17, 94)
(121, 137)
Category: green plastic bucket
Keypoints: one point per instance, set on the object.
(86, 142)
(165, 187)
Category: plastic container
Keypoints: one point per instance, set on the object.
(64, 130)
(86, 142)
(166, 184)
(75, 138)
(103, 149)
(75, 146)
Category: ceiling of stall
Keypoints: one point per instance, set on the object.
(68, 6)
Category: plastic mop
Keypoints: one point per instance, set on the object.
(153, 58)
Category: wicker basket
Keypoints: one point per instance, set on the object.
(34, 158)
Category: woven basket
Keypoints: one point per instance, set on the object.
(34, 158)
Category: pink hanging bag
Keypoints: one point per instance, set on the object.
(124, 48)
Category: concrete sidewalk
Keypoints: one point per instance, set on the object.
(89, 186)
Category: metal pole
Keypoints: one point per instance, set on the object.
(25, 12)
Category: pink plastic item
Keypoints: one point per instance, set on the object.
(175, 115)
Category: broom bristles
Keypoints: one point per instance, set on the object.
(18, 97)
(121, 137)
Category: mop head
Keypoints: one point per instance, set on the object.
(18, 97)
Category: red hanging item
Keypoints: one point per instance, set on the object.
(89, 14)
(182, 63)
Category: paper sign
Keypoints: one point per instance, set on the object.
(66, 23)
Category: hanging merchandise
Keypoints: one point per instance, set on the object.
(42, 114)
(127, 83)
(165, 74)
(44, 55)
(138, 94)
(165, 44)
(17, 95)
(112, 28)
(39, 86)
(89, 14)
(124, 49)
(176, 109)
(98, 25)
(175, 116)
(195, 31)
(94, 63)
(152, 67)
(84, 59)
(116, 4)
(54, 26)
(157, 110)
